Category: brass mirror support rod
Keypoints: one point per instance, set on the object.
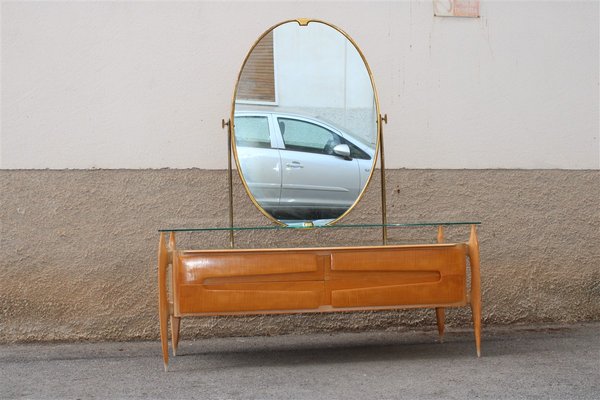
(229, 179)
(382, 119)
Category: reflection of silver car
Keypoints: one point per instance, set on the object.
(298, 167)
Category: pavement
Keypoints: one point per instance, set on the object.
(518, 362)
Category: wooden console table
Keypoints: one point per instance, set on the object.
(322, 279)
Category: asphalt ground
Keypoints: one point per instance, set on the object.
(518, 362)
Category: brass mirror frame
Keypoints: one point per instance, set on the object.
(232, 149)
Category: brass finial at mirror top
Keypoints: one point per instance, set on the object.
(305, 131)
(303, 21)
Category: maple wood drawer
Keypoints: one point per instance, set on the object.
(247, 297)
(425, 275)
(213, 268)
(245, 281)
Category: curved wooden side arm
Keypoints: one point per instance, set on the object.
(163, 300)
(173, 310)
(475, 286)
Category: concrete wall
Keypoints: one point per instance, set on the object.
(115, 84)
(79, 247)
(139, 88)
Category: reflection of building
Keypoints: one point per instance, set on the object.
(312, 71)
(257, 82)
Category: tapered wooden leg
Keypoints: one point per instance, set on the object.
(163, 302)
(440, 312)
(440, 315)
(475, 287)
(175, 323)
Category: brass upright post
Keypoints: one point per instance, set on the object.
(382, 166)
(229, 180)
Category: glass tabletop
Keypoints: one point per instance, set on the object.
(307, 226)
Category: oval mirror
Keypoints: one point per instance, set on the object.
(305, 132)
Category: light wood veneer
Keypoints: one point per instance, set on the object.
(294, 280)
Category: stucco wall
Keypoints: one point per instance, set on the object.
(79, 247)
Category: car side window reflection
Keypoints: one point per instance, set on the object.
(311, 138)
(307, 137)
(252, 132)
(355, 152)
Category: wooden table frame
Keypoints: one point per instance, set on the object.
(298, 280)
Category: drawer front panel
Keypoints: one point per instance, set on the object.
(449, 290)
(214, 282)
(397, 276)
(444, 258)
(251, 297)
(222, 268)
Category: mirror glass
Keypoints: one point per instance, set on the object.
(305, 124)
